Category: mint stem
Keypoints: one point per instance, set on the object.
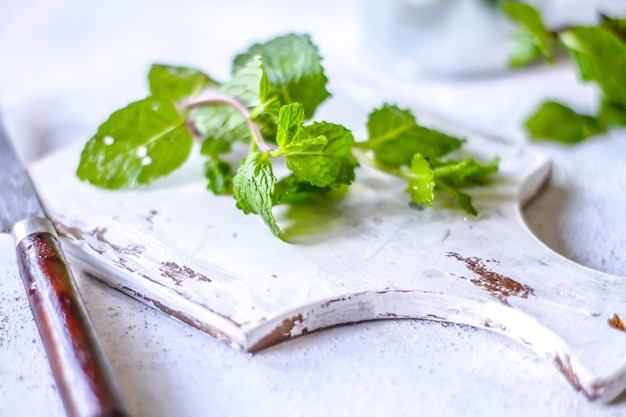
(218, 98)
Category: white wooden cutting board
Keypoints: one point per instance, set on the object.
(194, 256)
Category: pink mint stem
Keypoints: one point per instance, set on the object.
(219, 98)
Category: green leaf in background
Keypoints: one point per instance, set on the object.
(601, 58)
(421, 181)
(525, 51)
(137, 144)
(294, 70)
(253, 189)
(534, 40)
(320, 153)
(394, 136)
(558, 122)
(175, 83)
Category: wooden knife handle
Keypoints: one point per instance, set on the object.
(79, 364)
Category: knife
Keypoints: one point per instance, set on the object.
(80, 367)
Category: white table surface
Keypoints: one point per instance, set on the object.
(65, 65)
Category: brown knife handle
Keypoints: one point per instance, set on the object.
(79, 364)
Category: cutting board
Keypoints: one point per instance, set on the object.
(366, 255)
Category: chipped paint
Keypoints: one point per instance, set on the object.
(178, 274)
(99, 234)
(500, 286)
(616, 322)
(281, 333)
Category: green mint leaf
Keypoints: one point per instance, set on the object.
(535, 40)
(269, 106)
(175, 83)
(394, 136)
(463, 200)
(294, 70)
(320, 153)
(525, 51)
(465, 172)
(219, 176)
(612, 114)
(253, 189)
(137, 144)
(601, 58)
(555, 121)
(292, 190)
(214, 147)
(617, 26)
(290, 120)
(220, 121)
(248, 83)
(421, 181)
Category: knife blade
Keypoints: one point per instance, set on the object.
(80, 367)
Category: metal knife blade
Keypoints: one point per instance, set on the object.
(19, 200)
(79, 365)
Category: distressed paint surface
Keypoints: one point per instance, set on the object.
(195, 257)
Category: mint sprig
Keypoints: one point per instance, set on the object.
(599, 55)
(404, 148)
(268, 103)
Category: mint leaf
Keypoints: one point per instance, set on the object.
(219, 175)
(248, 83)
(292, 190)
(463, 200)
(525, 51)
(290, 120)
(421, 181)
(465, 172)
(394, 136)
(294, 70)
(425, 177)
(450, 176)
(612, 114)
(535, 40)
(558, 122)
(601, 58)
(174, 83)
(253, 189)
(617, 26)
(220, 120)
(137, 144)
(320, 153)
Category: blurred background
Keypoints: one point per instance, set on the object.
(65, 65)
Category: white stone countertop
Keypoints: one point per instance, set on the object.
(65, 65)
